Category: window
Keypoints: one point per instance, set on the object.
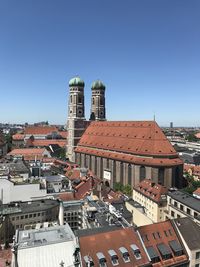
(196, 265)
(71, 98)
(172, 213)
(161, 173)
(93, 101)
(197, 255)
(188, 211)
(22, 217)
(175, 204)
(142, 173)
(30, 215)
(181, 207)
(17, 218)
(80, 100)
(26, 216)
(195, 214)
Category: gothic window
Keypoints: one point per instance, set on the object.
(114, 170)
(101, 168)
(129, 174)
(107, 163)
(161, 172)
(79, 99)
(95, 165)
(142, 173)
(121, 172)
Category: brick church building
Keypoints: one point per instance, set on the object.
(118, 151)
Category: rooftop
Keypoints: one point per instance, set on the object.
(186, 199)
(30, 206)
(131, 137)
(190, 232)
(43, 130)
(46, 247)
(155, 192)
(162, 244)
(122, 245)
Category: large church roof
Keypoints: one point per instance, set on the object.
(135, 140)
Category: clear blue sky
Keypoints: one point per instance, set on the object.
(146, 52)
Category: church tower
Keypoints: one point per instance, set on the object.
(76, 115)
(98, 110)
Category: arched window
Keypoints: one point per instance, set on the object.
(142, 173)
(114, 170)
(129, 174)
(161, 172)
(95, 165)
(93, 101)
(121, 172)
(101, 169)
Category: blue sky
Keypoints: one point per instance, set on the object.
(147, 52)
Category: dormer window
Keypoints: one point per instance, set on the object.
(136, 251)
(88, 261)
(114, 257)
(125, 254)
(102, 259)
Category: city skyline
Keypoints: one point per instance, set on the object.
(146, 53)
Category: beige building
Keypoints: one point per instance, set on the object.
(148, 203)
(180, 204)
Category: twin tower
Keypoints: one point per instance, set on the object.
(76, 123)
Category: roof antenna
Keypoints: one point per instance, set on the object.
(154, 116)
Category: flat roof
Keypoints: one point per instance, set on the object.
(46, 247)
(29, 206)
(190, 232)
(186, 199)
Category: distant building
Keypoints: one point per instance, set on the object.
(3, 146)
(30, 154)
(171, 124)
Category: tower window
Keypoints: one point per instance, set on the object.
(79, 99)
(71, 98)
(93, 101)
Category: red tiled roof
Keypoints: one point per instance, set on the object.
(18, 137)
(66, 196)
(142, 138)
(102, 242)
(47, 142)
(195, 169)
(44, 130)
(28, 153)
(197, 135)
(197, 191)
(157, 233)
(151, 190)
(130, 158)
(63, 134)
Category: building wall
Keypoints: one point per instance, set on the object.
(139, 218)
(176, 210)
(153, 211)
(120, 172)
(22, 192)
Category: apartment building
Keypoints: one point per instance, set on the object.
(181, 204)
